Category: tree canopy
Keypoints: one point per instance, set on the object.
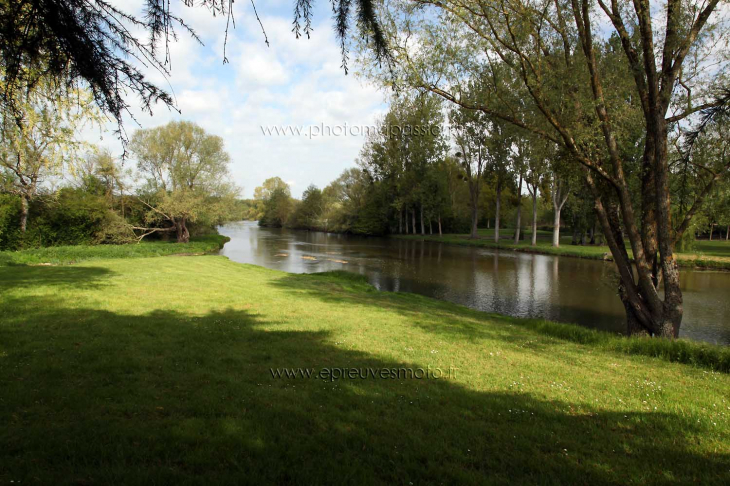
(186, 176)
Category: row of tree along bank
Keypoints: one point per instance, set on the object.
(411, 178)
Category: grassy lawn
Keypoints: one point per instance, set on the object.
(73, 254)
(709, 254)
(157, 371)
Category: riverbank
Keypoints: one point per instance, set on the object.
(55, 255)
(159, 370)
(709, 254)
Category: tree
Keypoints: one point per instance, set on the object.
(498, 168)
(471, 133)
(401, 153)
(533, 188)
(40, 138)
(100, 167)
(563, 69)
(277, 202)
(309, 211)
(536, 153)
(701, 160)
(278, 208)
(186, 177)
(270, 185)
(559, 192)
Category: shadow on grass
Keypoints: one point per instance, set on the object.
(22, 276)
(95, 397)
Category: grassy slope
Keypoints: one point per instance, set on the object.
(198, 245)
(157, 371)
(709, 254)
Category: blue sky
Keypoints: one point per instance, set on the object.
(292, 82)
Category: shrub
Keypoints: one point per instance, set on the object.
(9, 221)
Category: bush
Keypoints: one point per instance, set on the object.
(69, 217)
(9, 222)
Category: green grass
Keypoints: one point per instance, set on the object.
(709, 254)
(73, 254)
(157, 371)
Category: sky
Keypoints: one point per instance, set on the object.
(298, 83)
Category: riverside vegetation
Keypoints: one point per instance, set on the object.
(705, 254)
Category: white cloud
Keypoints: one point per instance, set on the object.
(256, 68)
(293, 82)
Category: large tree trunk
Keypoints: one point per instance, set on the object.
(560, 196)
(712, 229)
(556, 226)
(646, 313)
(633, 325)
(400, 222)
(672, 309)
(519, 211)
(727, 235)
(183, 236)
(496, 212)
(430, 227)
(534, 218)
(23, 213)
(413, 215)
(406, 219)
(441, 234)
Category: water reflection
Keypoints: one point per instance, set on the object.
(518, 284)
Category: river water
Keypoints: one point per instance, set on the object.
(518, 284)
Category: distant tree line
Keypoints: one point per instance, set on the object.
(460, 173)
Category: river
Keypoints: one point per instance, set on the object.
(557, 288)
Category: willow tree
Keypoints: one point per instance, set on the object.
(586, 91)
(186, 178)
(39, 138)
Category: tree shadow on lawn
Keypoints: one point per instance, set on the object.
(104, 398)
(24, 276)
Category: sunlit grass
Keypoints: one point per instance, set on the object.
(157, 370)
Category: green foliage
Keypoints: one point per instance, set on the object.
(39, 137)
(186, 177)
(71, 216)
(9, 221)
(247, 210)
(270, 185)
(308, 213)
(74, 217)
(278, 208)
